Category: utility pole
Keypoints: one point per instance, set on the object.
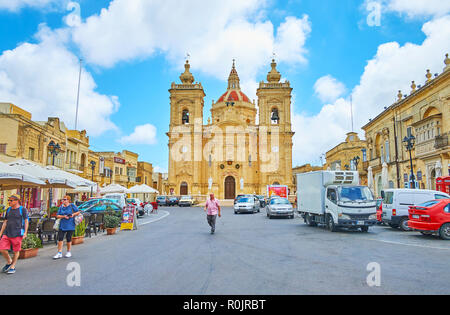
(78, 94)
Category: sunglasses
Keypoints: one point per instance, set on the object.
(11, 200)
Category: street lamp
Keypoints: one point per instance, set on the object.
(355, 161)
(409, 144)
(92, 163)
(54, 149)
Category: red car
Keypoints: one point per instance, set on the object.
(431, 217)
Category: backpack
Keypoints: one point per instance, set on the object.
(22, 230)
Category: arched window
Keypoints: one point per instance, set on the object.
(185, 117)
(275, 117)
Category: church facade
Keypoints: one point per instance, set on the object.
(233, 153)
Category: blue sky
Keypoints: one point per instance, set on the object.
(132, 56)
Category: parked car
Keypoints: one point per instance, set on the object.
(102, 206)
(431, 217)
(396, 203)
(262, 201)
(173, 201)
(185, 201)
(162, 200)
(241, 196)
(279, 207)
(138, 204)
(87, 204)
(247, 204)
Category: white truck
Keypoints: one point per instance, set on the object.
(336, 199)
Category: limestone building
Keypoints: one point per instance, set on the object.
(423, 113)
(234, 152)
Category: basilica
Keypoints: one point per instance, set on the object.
(243, 147)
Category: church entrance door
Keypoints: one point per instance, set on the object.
(184, 189)
(230, 187)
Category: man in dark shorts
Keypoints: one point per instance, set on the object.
(14, 230)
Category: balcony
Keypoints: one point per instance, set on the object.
(74, 167)
(431, 146)
(376, 162)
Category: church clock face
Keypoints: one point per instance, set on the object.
(184, 149)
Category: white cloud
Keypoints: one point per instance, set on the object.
(43, 79)
(16, 5)
(212, 32)
(143, 134)
(415, 8)
(391, 69)
(328, 89)
(159, 169)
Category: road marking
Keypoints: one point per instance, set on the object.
(156, 220)
(400, 243)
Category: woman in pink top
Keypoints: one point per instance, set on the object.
(212, 209)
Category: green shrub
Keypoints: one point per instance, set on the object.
(111, 221)
(31, 241)
(80, 229)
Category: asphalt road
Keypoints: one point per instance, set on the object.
(174, 253)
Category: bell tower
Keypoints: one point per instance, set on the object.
(185, 133)
(275, 130)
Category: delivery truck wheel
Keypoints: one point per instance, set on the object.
(404, 225)
(444, 231)
(330, 224)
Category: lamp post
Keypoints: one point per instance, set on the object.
(355, 161)
(92, 163)
(409, 144)
(54, 149)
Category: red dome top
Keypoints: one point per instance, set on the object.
(233, 95)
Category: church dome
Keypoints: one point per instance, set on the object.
(234, 93)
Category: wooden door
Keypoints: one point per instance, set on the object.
(184, 189)
(230, 187)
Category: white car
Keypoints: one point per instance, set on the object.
(396, 204)
(279, 207)
(246, 204)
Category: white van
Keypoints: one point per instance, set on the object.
(396, 204)
(119, 198)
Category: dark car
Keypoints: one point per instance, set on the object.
(162, 200)
(172, 201)
(262, 201)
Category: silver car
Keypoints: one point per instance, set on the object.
(279, 207)
(246, 204)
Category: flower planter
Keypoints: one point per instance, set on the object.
(77, 240)
(111, 231)
(28, 253)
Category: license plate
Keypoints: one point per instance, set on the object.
(416, 216)
(359, 222)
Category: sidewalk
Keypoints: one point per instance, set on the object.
(147, 219)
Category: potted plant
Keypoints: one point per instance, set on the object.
(30, 246)
(78, 235)
(53, 212)
(111, 223)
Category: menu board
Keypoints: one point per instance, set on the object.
(128, 216)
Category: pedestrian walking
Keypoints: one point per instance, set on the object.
(212, 209)
(14, 230)
(66, 213)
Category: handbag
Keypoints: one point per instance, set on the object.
(79, 218)
(56, 225)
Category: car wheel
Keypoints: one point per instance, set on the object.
(444, 231)
(404, 225)
(330, 224)
(365, 229)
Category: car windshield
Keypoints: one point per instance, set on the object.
(87, 204)
(388, 197)
(358, 193)
(279, 201)
(185, 197)
(244, 200)
(131, 200)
